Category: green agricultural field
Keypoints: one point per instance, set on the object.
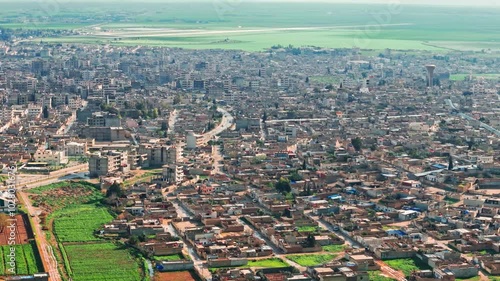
(54, 197)
(407, 266)
(252, 26)
(78, 223)
(81, 184)
(27, 259)
(75, 220)
(101, 262)
(311, 260)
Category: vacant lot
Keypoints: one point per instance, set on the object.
(334, 248)
(263, 263)
(175, 257)
(407, 266)
(174, 276)
(267, 263)
(310, 259)
(377, 276)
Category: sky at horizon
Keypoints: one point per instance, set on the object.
(491, 3)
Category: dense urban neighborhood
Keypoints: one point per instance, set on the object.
(290, 164)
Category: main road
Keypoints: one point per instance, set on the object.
(226, 123)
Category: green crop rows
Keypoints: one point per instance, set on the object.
(79, 224)
(27, 259)
(101, 261)
(77, 211)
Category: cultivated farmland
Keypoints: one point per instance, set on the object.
(78, 223)
(27, 259)
(254, 27)
(101, 261)
(75, 211)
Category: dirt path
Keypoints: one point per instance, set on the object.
(46, 254)
(398, 275)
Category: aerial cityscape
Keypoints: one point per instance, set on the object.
(249, 140)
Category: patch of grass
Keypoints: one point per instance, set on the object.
(311, 260)
(263, 263)
(174, 257)
(450, 200)
(377, 276)
(407, 266)
(334, 248)
(325, 79)
(267, 263)
(308, 229)
(75, 185)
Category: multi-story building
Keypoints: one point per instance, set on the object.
(50, 156)
(158, 155)
(107, 162)
(75, 149)
(102, 119)
(34, 111)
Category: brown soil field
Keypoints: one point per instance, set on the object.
(174, 276)
(22, 227)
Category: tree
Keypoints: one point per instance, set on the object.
(177, 99)
(307, 79)
(45, 112)
(295, 177)
(311, 240)
(115, 189)
(264, 117)
(304, 165)
(164, 125)
(133, 240)
(357, 143)
(283, 185)
(450, 163)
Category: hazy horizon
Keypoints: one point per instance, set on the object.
(488, 3)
